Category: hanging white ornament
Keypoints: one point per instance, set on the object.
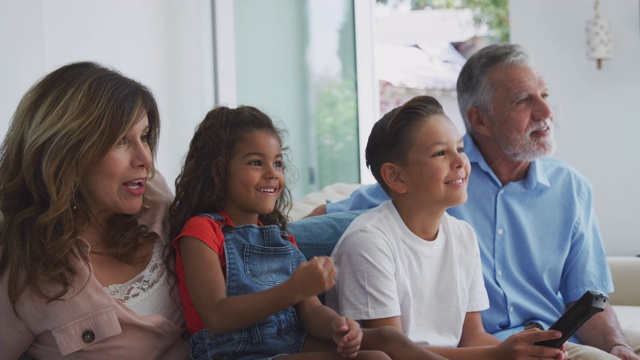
(598, 31)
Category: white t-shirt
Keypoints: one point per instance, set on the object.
(384, 270)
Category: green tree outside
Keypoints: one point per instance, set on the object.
(493, 13)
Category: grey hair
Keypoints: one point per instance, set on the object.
(473, 86)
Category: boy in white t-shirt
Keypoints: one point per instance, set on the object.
(407, 263)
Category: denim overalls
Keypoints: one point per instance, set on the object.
(258, 258)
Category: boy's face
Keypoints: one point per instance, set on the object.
(437, 168)
(255, 177)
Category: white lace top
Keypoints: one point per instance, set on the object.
(150, 285)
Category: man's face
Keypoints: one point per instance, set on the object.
(522, 121)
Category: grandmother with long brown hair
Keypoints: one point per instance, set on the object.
(84, 223)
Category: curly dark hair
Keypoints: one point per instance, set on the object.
(201, 186)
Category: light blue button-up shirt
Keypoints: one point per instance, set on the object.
(539, 240)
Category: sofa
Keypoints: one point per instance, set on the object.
(317, 236)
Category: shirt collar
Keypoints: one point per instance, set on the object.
(535, 175)
(83, 246)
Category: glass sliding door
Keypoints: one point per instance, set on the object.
(295, 60)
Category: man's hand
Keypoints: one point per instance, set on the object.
(522, 346)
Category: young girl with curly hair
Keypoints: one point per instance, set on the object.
(248, 292)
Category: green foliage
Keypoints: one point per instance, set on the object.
(337, 128)
(493, 13)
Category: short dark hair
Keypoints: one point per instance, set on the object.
(392, 136)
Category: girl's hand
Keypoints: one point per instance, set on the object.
(348, 335)
(522, 346)
(314, 277)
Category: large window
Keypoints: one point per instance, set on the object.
(421, 45)
(326, 69)
(296, 61)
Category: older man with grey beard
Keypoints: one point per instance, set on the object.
(537, 230)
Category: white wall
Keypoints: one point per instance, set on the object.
(165, 44)
(596, 110)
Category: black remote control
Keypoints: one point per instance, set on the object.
(592, 302)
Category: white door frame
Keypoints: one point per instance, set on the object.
(224, 52)
(367, 87)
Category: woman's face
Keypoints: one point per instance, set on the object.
(116, 183)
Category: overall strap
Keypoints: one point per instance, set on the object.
(228, 228)
(218, 220)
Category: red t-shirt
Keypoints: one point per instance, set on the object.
(209, 232)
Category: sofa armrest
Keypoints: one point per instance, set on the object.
(333, 192)
(625, 271)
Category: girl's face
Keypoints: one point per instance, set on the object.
(116, 183)
(255, 177)
(437, 168)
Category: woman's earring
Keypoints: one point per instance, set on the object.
(74, 208)
(74, 196)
